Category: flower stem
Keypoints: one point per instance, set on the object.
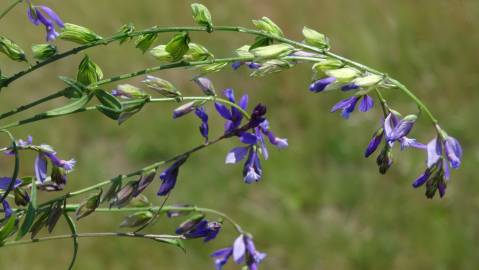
(9, 8)
(90, 235)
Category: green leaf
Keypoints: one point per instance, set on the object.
(74, 231)
(178, 46)
(260, 42)
(7, 229)
(107, 100)
(70, 107)
(110, 113)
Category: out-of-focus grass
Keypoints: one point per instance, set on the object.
(320, 204)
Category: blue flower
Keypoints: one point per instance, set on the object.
(46, 16)
(233, 116)
(221, 257)
(204, 229)
(242, 251)
(204, 129)
(169, 176)
(6, 181)
(7, 209)
(251, 65)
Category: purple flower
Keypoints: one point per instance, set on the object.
(319, 85)
(204, 229)
(349, 86)
(221, 257)
(204, 129)
(396, 129)
(41, 167)
(46, 16)
(349, 104)
(251, 65)
(252, 171)
(233, 116)
(169, 176)
(6, 209)
(244, 250)
(6, 181)
(441, 154)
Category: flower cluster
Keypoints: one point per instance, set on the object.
(45, 155)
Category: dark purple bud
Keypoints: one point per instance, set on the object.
(21, 197)
(236, 64)
(7, 209)
(384, 160)
(169, 176)
(204, 129)
(374, 143)
(253, 65)
(320, 85)
(441, 186)
(144, 182)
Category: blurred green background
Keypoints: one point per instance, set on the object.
(320, 205)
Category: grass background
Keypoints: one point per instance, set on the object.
(320, 205)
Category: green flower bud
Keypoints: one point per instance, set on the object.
(78, 34)
(197, 52)
(343, 74)
(270, 67)
(163, 87)
(314, 38)
(210, 68)
(129, 91)
(202, 16)
(160, 53)
(272, 51)
(268, 26)
(178, 46)
(137, 219)
(11, 49)
(43, 51)
(244, 51)
(126, 29)
(327, 64)
(89, 72)
(144, 42)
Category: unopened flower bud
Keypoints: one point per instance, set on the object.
(184, 109)
(11, 49)
(272, 51)
(384, 160)
(128, 91)
(163, 87)
(206, 85)
(88, 206)
(268, 26)
(202, 16)
(78, 34)
(189, 224)
(144, 42)
(89, 72)
(160, 53)
(126, 29)
(21, 197)
(137, 219)
(343, 74)
(314, 38)
(124, 195)
(197, 52)
(178, 46)
(43, 51)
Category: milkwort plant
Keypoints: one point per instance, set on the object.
(245, 121)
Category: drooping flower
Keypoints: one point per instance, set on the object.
(252, 171)
(242, 251)
(442, 152)
(46, 16)
(169, 176)
(349, 104)
(204, 129)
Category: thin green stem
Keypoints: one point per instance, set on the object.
(90, 235)
(9, 8)
(128, 76)
(135, 173)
